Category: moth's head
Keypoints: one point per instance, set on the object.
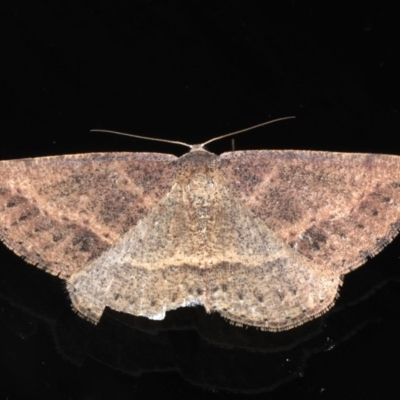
(198, 160)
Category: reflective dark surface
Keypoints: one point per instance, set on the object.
(189, 71)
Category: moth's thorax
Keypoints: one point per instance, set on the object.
(201, 187)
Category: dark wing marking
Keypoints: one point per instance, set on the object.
(336, 209)
(60, 212)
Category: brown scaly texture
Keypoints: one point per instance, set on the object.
(262, 237)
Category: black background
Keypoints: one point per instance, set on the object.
(191, 70)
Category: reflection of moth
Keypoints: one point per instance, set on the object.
(262, 237)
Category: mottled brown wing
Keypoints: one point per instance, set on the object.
(336, 209)
(60, 212)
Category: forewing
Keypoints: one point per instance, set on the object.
(60, 212)
(336, 209)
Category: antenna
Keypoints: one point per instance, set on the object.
(142, 137)
(191, 146)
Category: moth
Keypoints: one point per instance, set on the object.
(262, 237)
